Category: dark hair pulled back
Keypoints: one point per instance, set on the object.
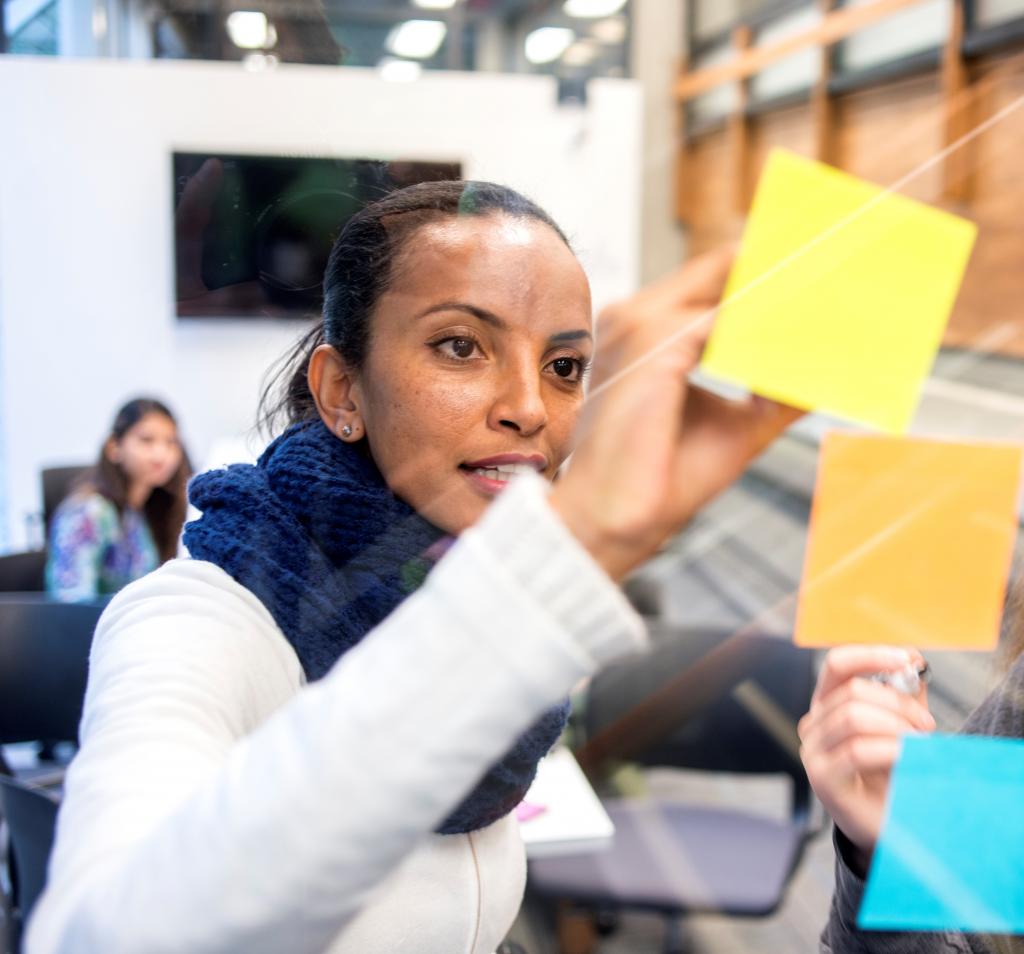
(359, 271)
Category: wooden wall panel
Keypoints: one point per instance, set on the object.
(990, 310)
(886, 133)
(883, 134)
(708, 190)
(784, 128)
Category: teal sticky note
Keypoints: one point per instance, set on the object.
(951, 853)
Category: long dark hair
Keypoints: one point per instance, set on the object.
(359, 271)
(164, 510)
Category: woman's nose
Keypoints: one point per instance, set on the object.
(163, 457)
(519, 405)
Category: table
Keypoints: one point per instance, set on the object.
(574, 820)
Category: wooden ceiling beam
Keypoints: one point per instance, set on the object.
(832, 28)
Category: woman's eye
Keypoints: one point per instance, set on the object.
(458, 347)
(568, 369)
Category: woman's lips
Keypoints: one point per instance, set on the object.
(484, 484)
(490, 475)
(536, 462)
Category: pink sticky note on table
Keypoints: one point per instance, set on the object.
(527, 810)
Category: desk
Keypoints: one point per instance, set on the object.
(574, 820)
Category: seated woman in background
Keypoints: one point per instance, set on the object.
(311, 735)
(850, 741)
(124, 518)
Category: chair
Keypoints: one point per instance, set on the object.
(31, 816)
(44, 662)
(23, 572)
(57, 483)
(706, 700)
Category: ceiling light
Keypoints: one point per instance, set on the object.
(548, 43)
(99, 22)
(611, 30)
(257, 62)
(592, 8)
(434, 4)
(251, 30)
(581, 53)
(399, 71)
(416, 39)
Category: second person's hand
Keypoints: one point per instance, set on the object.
(852, 736)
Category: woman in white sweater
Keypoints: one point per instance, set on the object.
(294, 741)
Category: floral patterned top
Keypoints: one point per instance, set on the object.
(94, 552)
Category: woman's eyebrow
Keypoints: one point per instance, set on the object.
(570, 336)
(487, 316)
(492, 319)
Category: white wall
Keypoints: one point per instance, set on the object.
(86, 303)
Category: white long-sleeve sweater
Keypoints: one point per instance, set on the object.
(219, 804)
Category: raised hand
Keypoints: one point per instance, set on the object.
(852, 735)
(652, 449)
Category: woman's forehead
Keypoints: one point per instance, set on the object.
(494, 228)
(154, 420)
(497, 255)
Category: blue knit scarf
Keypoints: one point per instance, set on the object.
(315, 534)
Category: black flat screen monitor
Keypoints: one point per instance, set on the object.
(252, 233)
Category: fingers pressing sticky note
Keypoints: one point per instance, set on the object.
(839, 295)
(950, 852)
(910, 542)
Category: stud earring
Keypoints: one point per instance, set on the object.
(346, 431)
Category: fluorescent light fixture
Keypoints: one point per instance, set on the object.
(99, 22)
(434, 4)
(251, 30)
(611, 30)
(581, 53)
(547, 44)
(589, 9)
(257, 62)
(416, 39)
(399, 71)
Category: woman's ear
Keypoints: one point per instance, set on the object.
(112, 450)
(332, 384)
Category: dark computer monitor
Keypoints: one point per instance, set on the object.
(252, 233)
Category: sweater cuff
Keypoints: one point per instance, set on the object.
(849, 885)
(540, 552)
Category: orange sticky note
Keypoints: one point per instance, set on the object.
(910, 542)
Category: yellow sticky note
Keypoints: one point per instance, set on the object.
(839, 295)
(910, 542)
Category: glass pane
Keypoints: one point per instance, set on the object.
(712, 17)
(797, 72)
(35, 34)
(993, 12)
(918, 28)
(720, 101)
